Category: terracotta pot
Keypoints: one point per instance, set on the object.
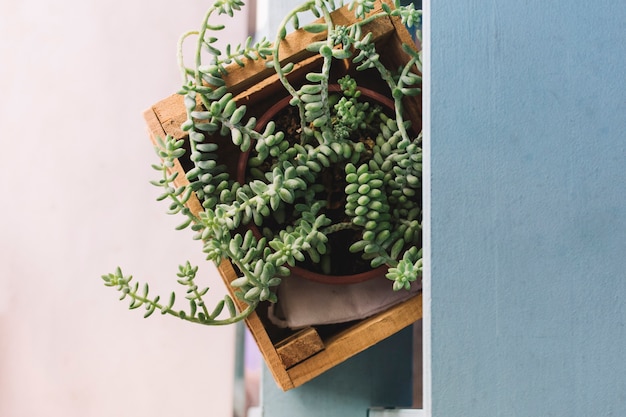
(372, 96)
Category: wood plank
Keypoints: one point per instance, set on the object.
(157, 130)
(259, 333)
(395, 56)
(299, 346)
(293, 49)
(171, 114)
(358, 338)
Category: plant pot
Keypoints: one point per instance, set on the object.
(301, 271)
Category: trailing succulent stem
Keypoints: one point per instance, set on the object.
(197, 311)
(375, 153)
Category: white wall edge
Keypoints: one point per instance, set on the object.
(398, 412)
(426, 219)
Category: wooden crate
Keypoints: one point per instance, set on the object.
(295, 357)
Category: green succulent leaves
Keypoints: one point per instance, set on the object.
(408, 269)
(286, 177)
(196, 311)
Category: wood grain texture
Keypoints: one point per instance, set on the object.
(299, 346)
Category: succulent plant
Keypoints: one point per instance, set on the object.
(382, 178)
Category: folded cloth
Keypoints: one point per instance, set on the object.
(303, 302)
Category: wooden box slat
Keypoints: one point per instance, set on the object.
(299, 347)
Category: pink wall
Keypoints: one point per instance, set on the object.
(75, 76)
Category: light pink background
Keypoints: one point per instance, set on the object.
(75, 77)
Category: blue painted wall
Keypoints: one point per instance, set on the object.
(377, 377)
(528, 203)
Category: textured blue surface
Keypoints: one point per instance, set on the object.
(379, 376)
(528, 203)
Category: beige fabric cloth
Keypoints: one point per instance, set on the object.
(303, 303)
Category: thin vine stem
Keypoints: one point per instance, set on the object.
(180, 56)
